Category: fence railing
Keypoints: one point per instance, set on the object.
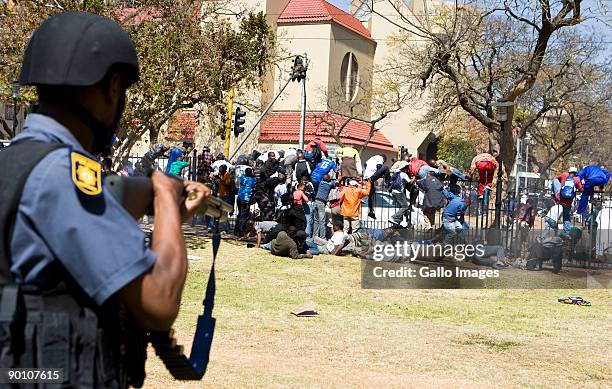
(581, 243)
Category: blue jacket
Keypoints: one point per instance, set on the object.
(322, 169)
(594, 176)
(245, 191)
(454, 209)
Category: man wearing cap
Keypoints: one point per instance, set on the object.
(69, 252)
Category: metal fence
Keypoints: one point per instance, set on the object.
(579, 247)
(580, 243)
(160, 164)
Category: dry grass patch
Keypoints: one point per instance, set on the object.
(384, 338)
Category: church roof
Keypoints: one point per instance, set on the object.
(285, 127)
(304, 11)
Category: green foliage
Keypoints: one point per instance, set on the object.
(457, 152)
(190, 54)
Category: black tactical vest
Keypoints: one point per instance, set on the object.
(59, 327)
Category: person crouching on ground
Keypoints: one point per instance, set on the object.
(351, 204)
(285, 245)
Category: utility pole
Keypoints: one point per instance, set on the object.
(298, 73)
(517, 167)
(228, 121)
(303, 113)
(502, 118)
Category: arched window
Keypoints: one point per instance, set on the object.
(349, 76)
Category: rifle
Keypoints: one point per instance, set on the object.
(136, 196)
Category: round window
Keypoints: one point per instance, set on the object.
(349, 76)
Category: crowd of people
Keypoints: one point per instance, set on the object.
(305, 202)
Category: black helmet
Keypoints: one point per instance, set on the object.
(77, 49)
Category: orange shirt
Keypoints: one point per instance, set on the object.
(351, 199)
(224, 184)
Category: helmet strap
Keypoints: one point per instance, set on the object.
(102, 140)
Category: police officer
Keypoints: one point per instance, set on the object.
(74, 253)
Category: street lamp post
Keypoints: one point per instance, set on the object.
(502, 118)
(15, 95)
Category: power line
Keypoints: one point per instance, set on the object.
(389, 40)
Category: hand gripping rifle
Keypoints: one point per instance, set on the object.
(136, 196)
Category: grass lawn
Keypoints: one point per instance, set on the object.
(383, 338)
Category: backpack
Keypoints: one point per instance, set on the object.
(396, 182)
(568, 190)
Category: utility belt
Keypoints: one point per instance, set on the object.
(56, 329)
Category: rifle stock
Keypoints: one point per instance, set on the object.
(135, 194)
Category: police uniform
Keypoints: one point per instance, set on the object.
(61, 218)
(66, 245)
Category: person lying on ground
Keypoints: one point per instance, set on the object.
(334, 245)
(287, 246)
(259, 230)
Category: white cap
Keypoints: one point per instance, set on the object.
(353, 183)
(573, 169)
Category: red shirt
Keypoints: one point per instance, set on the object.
(415, 166)
(562, 179)
(320, 144)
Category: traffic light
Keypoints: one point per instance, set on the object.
(298, 71)
(239, 121)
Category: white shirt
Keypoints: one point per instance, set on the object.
(555, 212)
(216, 164)
(290, 151)
(604, 219)
(265, 226)
(279, 191)
(405, 180)
(239, 172)
(371, 165)
(337, 239)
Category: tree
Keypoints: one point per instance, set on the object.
(372, 105)
(461, 137)
(567, 109)
(190, 54)
(472, 53)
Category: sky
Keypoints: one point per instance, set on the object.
(341, 3)
(598, 27)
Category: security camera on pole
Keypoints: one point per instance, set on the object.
(298, 73)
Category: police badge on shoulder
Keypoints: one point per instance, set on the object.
(86, 174)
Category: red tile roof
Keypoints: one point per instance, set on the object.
(182, 126)
(285, 127)
(298, 11)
